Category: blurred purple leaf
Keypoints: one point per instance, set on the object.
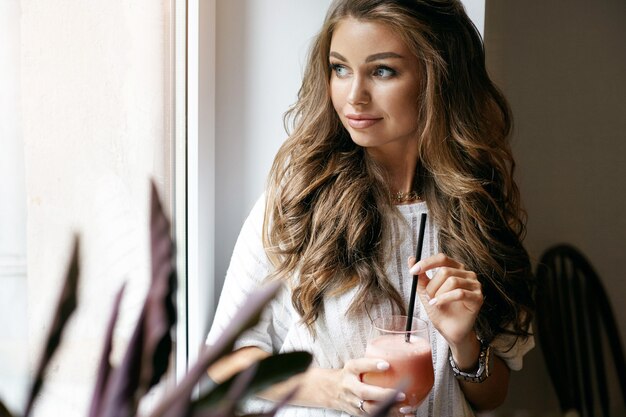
(280, 404)
(206, 412)
(147, 355)
(277, 407)
(4, 411)
(65, 307)
(227, 405)
(104, 369)
(241, 382)
(271, 370)
(386, 405)
(161, 312)
(177, 401)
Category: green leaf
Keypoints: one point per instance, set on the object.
(271, 370)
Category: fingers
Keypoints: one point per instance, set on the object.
(454, 288)
(360, 408)
(356, 391)
(450, 283)
(407, 410)
(435, 261)
(372, 404)
(447, 279)
(362, 365)
(473, 300)
(363, 390)
(374, 393)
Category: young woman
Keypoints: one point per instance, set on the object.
(396, 116)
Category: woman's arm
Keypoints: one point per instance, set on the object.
(237, 361)
(452, 299)
(339, 389)
(490, 393)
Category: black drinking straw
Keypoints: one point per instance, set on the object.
(418, 256)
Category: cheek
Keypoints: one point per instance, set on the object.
(336, 96)
(405, 107)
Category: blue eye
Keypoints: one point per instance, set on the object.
(339, 70)
(384, 72)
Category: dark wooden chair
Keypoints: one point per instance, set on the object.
(576, 328)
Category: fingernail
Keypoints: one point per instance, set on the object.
(433, 301)
(415, 269)
(401, 396)
(405, 410)
(383, 366)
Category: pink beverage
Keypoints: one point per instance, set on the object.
(410, 362)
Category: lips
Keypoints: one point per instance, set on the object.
(362, 121)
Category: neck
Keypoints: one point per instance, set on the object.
(400, 168)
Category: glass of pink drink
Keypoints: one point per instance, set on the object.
(409, 362)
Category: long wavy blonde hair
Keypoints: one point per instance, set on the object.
(326, 225)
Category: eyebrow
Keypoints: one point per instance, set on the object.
(374, 57)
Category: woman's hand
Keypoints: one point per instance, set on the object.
(452, 298)
(350, 390)
(340, 389)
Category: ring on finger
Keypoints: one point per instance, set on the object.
(361, 402)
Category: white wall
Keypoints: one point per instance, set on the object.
(261, 50)
(95, 112)
(563, 68)
(200, 187)
(259, 56)
(13, 337)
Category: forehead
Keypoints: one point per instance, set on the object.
(363, 36)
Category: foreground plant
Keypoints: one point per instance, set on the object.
(119, 390)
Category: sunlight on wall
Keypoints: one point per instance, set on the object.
(13, 335)
(93, 101)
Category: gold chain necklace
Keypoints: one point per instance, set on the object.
(402, 197)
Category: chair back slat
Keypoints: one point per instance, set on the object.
(572, 352)
(573, 319)
(553, 335)
(580, 341)
(597, 356)
(613, 336)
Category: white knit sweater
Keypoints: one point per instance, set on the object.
(339, 339)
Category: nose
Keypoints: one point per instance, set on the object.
(359, 93)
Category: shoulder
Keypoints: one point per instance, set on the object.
(512, 349)
(254, 222)
(258, 210)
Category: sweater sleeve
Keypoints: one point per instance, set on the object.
(249, 266)
(512, 351)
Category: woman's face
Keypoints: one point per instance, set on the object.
(375, 86)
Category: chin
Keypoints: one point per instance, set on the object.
(364, 141)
